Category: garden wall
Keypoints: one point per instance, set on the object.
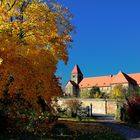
(97, 106)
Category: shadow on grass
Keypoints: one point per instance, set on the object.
(70, 130)
(60, 129)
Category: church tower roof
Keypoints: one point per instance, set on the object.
(76, 69)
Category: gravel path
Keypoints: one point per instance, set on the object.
(127, 132)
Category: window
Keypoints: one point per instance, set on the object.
(73, 76)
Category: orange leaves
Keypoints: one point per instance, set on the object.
(33, 39)
(33, 73)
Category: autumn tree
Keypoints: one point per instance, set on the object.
(118, 92)
(34, 36)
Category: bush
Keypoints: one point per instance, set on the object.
(18, 118)
(121, 114)
(73, 106)
(133, 108)
(82, 113)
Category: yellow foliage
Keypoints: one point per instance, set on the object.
(35, 25)
(34, 37)
(118, 92)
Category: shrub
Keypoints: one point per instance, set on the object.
(133, 108)
(16, 117)
(82, 113)
(121, 114)
(73, 105)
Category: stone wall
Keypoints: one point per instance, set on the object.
(111, 106)
(99, 106)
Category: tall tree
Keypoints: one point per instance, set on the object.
(34, 36)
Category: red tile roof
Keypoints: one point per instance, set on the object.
(136, 77)
(104, 81)
(101, 81)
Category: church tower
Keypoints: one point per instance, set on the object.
(76, 75)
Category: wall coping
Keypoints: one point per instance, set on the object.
(89, 99)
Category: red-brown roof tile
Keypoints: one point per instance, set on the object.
(101, 81)
(136, 77)
(104, 81)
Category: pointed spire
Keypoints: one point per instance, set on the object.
(76, 69)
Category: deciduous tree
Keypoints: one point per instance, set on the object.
(34, 36)
(118, 92)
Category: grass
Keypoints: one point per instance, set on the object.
(77, 120)
(72, 130)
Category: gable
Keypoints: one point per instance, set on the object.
(119, 78)
(71, 84)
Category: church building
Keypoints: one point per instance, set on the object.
(78, 84)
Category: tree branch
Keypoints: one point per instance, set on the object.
(10, 7)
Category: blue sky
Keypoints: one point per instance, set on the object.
(107, 38)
